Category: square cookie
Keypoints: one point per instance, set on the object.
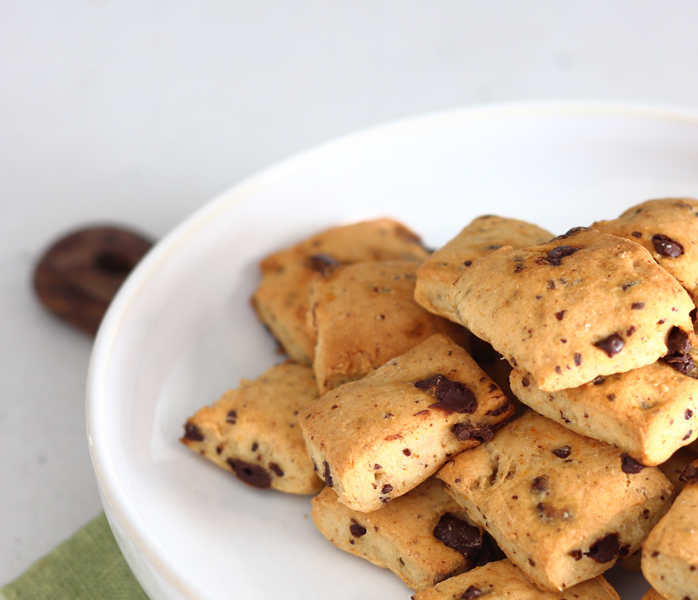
(649, 412)
(501, 580)
(281, 299)
(560, 505)
(670, 553)
(377, 438)
(365, 314)
(582, 305)
(253, 431)
(668, 228)
(480, 238)
(423, 537)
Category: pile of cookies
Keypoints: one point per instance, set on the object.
(510, 415)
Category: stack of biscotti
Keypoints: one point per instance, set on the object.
(599, 333)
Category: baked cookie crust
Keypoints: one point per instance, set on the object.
(582, 305)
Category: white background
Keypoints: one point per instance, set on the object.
(140, 112)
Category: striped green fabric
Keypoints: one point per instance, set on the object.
(88, 566)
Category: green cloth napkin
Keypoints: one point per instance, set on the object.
(88, 566)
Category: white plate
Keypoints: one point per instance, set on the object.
(181, 330)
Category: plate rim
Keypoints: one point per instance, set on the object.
(114, 498)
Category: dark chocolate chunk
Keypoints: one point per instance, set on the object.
(626, 286)
(562, 452)
(231, 417)
(637, 305)
(324, 263)
(636, 234)
(253, 475)
(666, 246)
(605, 549)
(611, 345)
(464, 431)
(452, 396)
(500, 409)
(472, 592)
(560, 315)
(540, 484)
(576, 554)
(386, 489)
(556, 255)
(467, 263)
(599, 380)
(688, 414)
(577, 358)
(327, 475)
(192, 432)
(407, 452)
(277, 469)
(629, 465)
(689, 474)
(683, 363)
(459, 535)
(356, 529)
(677, 341)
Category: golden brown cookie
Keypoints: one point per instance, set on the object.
(365, 314)
(670, 553)
(423, 537)
(583, 305)
(562, 507)
(668, 228)
(253, 431)
(649, 412)
(480, 238)
(281, 300)
(501, 580)
(377, 438)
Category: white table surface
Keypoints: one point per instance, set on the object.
(139, 112)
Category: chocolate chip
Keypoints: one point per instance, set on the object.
(599, 380)
(464, 431)
(678, 341)
(531, 562)
(407, 452)
(556, 255)
(277, 469)
(467, 263)
(683, 363)
(356, 530)
(626, 286)
(459, 535)
(562, 452)
(255, 446)
(637, 305)
(500, 409)
(629, 465)
(525, 382)
(577, 358)
(611, 397)
(560, 315)
(253, 475)
(605, 549)
(611, 345)
(630, 331)
(472, 592)
(636, 234)
(688, 414)
(327, 475)
(78, 276)
(324, 263)
(687, 436)
(666, 246)
(689, 474)
(386, 489)
(576, 554)
(452, 396)
(540, 484)
(519, 267)
(192, 432)
(231, 417)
